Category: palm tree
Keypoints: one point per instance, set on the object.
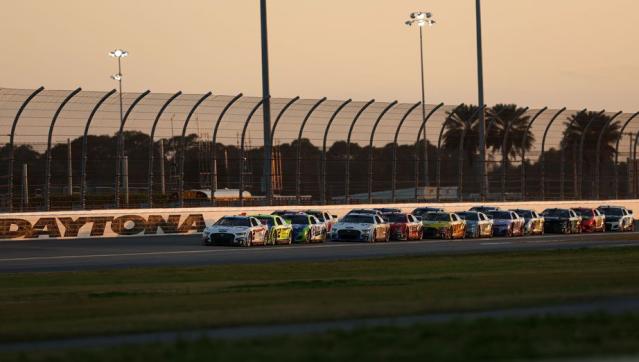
(508, 118)
(462, 120)
(575, 130)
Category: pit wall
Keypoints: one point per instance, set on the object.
(148, 222)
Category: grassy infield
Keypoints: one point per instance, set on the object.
(59, 305)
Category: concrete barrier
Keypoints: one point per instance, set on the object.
(147, 222)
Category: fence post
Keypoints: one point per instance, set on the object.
(394, 170)
(47, 170)
(25, 187)
(69, 170)
(323, 156)
(16, 119)
(616, 165)
(370, 150)
(298, 168)
(125, 179)
(214, 147)
(242, 155)
(542, 157)
(523, 152)
(347, 182)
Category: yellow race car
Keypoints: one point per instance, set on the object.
(443, 225)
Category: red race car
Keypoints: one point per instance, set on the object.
(592, 220)
(404, 226)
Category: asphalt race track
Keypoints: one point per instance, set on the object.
(164, 251)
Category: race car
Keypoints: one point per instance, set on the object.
(592, 220)
(361, 227)
(444, 225)
(235, 230)
(618, 218)
(478, 225)
(279, 231)
(564, 221)
(421, 211)
(506, 223)
(323, 216)
(403, 226)
(306, 228)
(533, 222)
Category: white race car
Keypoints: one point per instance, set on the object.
(235, 230)
(361, 227)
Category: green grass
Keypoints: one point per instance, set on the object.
(67, 304)
(573, 338)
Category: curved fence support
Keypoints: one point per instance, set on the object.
(394, 167)
(438, 181)
(370, 150)
(633, 158)
(523, 152)
(85, 146)
(242, 154)
(149, 194)
(347, 183)
(323, 156)
(596, 185)
(562, 165)
(542, 161)
(616, 165)
(504, 159)
(298, 168)
(47, 169)
(460, 155)
(419, 135)
(214, 186)
(280, 115)
(14, 125)
(183, 146)
(580, 160)
(120, 148)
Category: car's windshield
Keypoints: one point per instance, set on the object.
(472, 216)
(556, 213)
(358, 219)
(233, 221)
(586, 213)
(612, 211)
(266, 220)
(363, 211)
(317, 214)
(437, 216)
(395, 217)
(499, 215)
(527, 214)
(297, 219)
(424, 211)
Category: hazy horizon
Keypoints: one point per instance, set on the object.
(537, 53)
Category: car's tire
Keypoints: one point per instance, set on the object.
(387, 239)
(249, 240)
(324, 236)
(509, 233)
(374, 237)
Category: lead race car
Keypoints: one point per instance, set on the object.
(236, 231)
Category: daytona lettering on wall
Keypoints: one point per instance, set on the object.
(99, 226)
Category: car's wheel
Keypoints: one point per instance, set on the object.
(308, 236)
(374, 238)
(249, 240)
(387, 239)
(477, 233)
(324, 235)
(290, 238)
(509, 233)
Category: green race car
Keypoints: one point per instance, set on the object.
(279, 231)
(306, 228)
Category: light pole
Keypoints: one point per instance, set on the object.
(119, 54)
(421, 19)
(482, 119)
(266, 105)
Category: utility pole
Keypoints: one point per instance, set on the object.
(266, 106)
(162, 175)
(482, 118)
(25, 187)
